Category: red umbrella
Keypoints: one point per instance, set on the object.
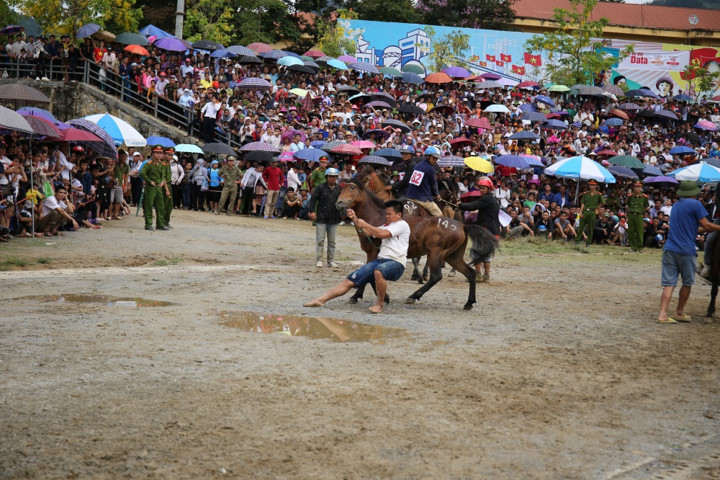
(137, 50)
(259, 47)
(42, 126)
(346, 149)
(314, 53)
(606, 152)
(527, 84)
(620, 113)
(77, 135)
(438, 77)
(481, 122)
(469, 195)
(460, 141)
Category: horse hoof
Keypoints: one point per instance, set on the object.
(468, 307)
(387, 299)
(420, 280)
(414, 277)
(353, 300)
(409, 301)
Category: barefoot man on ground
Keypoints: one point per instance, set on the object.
(389, 265)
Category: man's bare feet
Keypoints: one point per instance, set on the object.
(314, 303)
(115, 218)
(375, 309)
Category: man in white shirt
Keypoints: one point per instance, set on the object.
(389, 264)
(209, 117)
(293, 180)
(55, 213)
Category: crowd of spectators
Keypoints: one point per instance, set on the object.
(335, 108)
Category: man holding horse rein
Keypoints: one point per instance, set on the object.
(423, 186)
(389, 264)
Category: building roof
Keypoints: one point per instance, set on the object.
(629, 15)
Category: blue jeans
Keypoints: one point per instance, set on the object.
(321, 229)
(675, 265)
(390, 270)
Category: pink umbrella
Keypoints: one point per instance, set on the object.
(706, 125)
(259, 47)
(481, 122)
(76, 135)
(286, 157)
(346, 149)
(347, 58)
(314, 53)
(363, 144)
(291, 133)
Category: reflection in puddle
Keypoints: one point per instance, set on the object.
(106, 299)
(313, 327)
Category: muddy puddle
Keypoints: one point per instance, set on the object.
(337, 330)
(106, 299)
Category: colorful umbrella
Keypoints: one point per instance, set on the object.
(164, 141)
(479, 164)
(346, 149)
(137, 50)
(580, 167)
(120, 130)
(172, 44)
(330, 145)
(259, 47)
(698, 172)
(107, 147)
(286, 157)
(438, 77)
(363, 144)
(706, 125)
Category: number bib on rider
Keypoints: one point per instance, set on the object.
(416, 177)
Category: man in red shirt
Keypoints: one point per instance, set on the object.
(273, 177)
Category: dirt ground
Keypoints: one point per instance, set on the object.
(559, 372)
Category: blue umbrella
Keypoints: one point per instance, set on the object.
(317, 144)
(527, 107)
(681, 150)
(698, 172)
(533, 161)
(544, 99)
(364, 67)
(312, 154)
(683, 98)
(580, 167)
(151, 30)
(335, 63)
(389, 153)
(649, 169)
(534, 117)
(223, 54)
(164, 141)
(620, 171)
(513, 161)
(411, 77)
(240, 50)
(87, 30)
(272, 54)
(614, 122)
(292, 54)
(554, 125)
(524, 135)
(289, 61)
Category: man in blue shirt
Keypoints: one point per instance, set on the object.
(422, 186)
(679, 253)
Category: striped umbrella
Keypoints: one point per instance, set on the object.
(364, 67)
(580, 167)
(259, 47)
(120, 130)
(698, 172)
(258, 147)
(363, 144)
(376, 160)
(330, 145)
(43, 127)
(107, 147)
(254, 83)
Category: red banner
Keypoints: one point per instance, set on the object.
(505, 58)
(535, 60)
(518, 69)
(490, 58)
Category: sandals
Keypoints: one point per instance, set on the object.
(681, 318)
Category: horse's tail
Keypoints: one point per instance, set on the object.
(483, 243)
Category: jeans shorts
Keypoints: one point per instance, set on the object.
(674, 264)
(390, 270)
(116, 195)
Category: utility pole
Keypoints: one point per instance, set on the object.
(179, 16)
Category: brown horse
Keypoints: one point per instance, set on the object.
(715, 267)
(441, 239)
(374, 181)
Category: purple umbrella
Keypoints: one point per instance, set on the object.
(347, 58)
(37, 112)
(107, 147)
(528, 107)
(10, 29)
(258, 147)
(513, 161)
(377, 104)
(364, 67)
(554, 125)
(458, 72)
(661, 181)
(254, 83)
(491, 76)
(172, 44)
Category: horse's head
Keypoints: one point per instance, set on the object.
(349, 195)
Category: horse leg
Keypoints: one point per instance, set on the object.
(458, 263)
(358, 294)
(713, 294)
(416, 271)
(435, 276)
(425, 271)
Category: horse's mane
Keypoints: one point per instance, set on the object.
(377, 201)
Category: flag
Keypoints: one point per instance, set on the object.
(518, 69)
(535, 60)
(499, 63)
(505, 58)
(482, 64)
(489, 58)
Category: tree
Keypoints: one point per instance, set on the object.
(208, 20)
(66, 16)
(333, 41)
(7, 15)
(383, 11)
(574, 53)
(489, 14)
(699, 79)
(444, 49)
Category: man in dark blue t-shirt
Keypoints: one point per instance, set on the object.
(679, 254)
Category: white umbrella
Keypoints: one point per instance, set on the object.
(11, 120)
(497, 108)
(698, 172)
(120, 130)
(580, 168)
(188, 148)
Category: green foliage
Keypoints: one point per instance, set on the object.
(7, 15)
(384, 11)
(443, 49)
(699, 79)
(333, 41)
(573, 53)
(490, 14)
(208, 20)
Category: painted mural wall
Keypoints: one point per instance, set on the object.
(657, 66)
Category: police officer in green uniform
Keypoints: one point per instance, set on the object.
(589, 203)
(152, 175)
(232, 176)
(167, 191)
(637, 202)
